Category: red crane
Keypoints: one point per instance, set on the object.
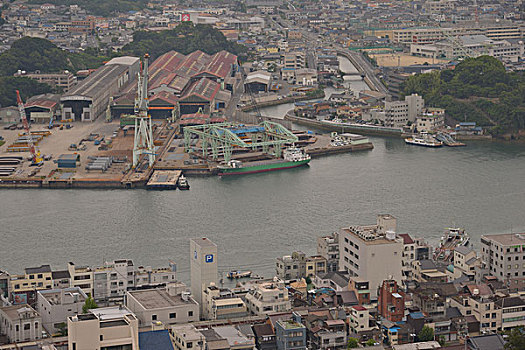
(35, 155)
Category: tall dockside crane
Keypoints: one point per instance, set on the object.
(143, 131)
(35, 154)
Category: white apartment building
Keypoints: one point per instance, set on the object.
(168, 305)
(268, 297)
(147, 276)
(429, 122)
(512, 312)
(104, 328)
(372, 252)
(399, 113)
(359, 319)
(112, 280)
(503, 255)
(56, 305)
(328, 248)
(20, 323)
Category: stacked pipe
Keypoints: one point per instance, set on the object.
(99, 163)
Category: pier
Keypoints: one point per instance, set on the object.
(164, 180)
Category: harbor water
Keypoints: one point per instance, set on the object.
(256, 218)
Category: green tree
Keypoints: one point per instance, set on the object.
(370, 342)
(308, 280)
(516, 339)
(62, 329)
(28, 87)
(352, 343)
(89, 304)
(426, 334)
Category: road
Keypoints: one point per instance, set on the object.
(362, 64)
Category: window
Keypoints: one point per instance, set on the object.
(27, 326)
(189, 345)
(153, 317)
(31, 277)
(190, 313)
(101, 337)
(173, 315)
(40, 275)
(17, 328)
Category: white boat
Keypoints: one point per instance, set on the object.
(423, 139)
(183, 183)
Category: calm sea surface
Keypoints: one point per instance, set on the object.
(256, 218)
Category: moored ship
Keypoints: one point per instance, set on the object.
(423, 139)
(453, 238)
(292, 157)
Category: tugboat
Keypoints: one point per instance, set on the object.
(292, 158)
(423, 139)
(183, 183)
(453, 238)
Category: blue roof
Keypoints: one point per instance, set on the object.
(417, 315)
(467, 123)
(155, 340)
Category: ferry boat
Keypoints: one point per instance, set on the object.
(454, 237)
(423, 139)
(238, 274)
(292, 157)
(183, 183)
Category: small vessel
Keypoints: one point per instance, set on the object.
(453, 238)
(292, 158)
(238, 274)
(183, 183)
(423, 139)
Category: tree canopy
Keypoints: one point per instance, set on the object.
(426, 334)
(516, 339)
(100, 7)
(184, 38)
(35, 54)
(478, 89)
(28, 87)
(89, 304)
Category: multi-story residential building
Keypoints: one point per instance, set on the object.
(20, 323)
(268, 297)
(359, 319)
(503, 255)
(82, 277)
(294, 59)
(465, 262)
(103, 328)
(297, 266)
(168, 305)
(327, 334)
(147, 276)
(399, 113)
(290, 335)
(35, 278)
(264, 336)
(56, 305)
(112, 280)
(328, 248)
(372, 252)
(361, 288)
(482, 306)
(222, 304)
(61, 279)
(429, 122)
(186, 336)
(391, 302)
(512, 312)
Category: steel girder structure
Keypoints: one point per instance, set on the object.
(221, 140)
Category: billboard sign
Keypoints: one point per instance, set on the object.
(185, 17)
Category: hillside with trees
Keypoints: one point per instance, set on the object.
(100, 7)
(479, 90)
(184, 38)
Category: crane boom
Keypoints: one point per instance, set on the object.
(35, 156)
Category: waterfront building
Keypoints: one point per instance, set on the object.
(147, 276)
(391, 302)
(328, 248)
(268, 297)
(503, 255)
(56, 305)
(186, 336)
(82, 277)
(399, 113)
(112, 280)
(61, 279)
(220, 304)
(429, 122)
(290, 335)
(413, 250)
(203, 267)
(297, 266)
(20, 323)
(372, 252)
(168, 305)
(5, 285)
(103, 328)
(34, 278)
